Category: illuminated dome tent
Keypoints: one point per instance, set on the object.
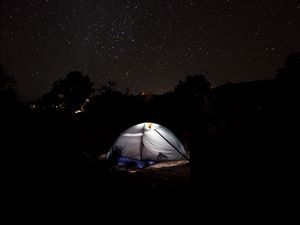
(144, 144)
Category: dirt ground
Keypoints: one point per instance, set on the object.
(163, 176)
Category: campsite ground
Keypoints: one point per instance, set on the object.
(171, 175)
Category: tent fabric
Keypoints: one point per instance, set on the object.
(147, 142)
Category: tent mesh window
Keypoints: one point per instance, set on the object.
(161, 157)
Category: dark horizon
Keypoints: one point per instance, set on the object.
(144, 45)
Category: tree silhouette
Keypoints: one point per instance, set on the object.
(190, 97)
(291, 71)
(108, 88)
(192, 92)
(8, 95)
(193, 86)
(69, 93)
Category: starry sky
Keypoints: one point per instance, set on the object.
(145, 44)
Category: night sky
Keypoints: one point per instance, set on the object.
(145, 44)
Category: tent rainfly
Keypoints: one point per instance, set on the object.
(147, 142)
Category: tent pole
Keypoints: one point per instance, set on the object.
(142, 143)
(172, 145)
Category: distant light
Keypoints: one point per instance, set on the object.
(82, 107)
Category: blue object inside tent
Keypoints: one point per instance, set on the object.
(126, 162)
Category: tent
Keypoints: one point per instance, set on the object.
(144, 144)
